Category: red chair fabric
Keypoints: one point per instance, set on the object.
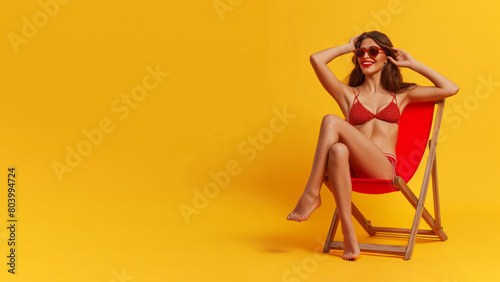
(414, 130)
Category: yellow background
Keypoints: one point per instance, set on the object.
(231, 65)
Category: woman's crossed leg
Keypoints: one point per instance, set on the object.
(341, 146)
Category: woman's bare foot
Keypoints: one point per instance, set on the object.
(351, 248)
(305, 206)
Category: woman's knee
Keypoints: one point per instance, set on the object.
(331, 120)
(338, 152)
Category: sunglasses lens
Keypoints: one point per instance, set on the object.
(359, 53)
(373, 52)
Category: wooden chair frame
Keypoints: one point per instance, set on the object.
(417, 203)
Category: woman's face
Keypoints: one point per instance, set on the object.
(367, 64)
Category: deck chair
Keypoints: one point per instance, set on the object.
(414, 129)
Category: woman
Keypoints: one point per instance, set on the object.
(364, 146)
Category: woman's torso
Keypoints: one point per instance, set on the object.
(376, 116)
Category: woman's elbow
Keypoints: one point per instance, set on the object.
(312, 59)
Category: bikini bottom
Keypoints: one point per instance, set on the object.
(393, 161)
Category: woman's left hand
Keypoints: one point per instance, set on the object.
(402, 59)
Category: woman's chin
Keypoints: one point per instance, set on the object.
(368, 72)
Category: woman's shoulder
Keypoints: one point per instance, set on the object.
(402, 96)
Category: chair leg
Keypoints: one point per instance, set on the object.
(414, 230)
(420, 203)
(332, 231)
(366, 224)
(435, 190)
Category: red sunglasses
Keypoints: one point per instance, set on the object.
(373, 52)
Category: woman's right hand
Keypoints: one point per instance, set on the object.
(352, 42)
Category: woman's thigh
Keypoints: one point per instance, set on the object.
(367, 160)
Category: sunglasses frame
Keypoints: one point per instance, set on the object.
(365, 50)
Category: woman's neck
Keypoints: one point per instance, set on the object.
(372, 83)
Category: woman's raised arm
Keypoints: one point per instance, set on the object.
(334, 86)
(443, 86)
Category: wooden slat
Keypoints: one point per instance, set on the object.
(331, 232)
(435, 190)
(374, 248)
(402, 231)
(366, 224)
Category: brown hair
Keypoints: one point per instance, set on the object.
(391, 78)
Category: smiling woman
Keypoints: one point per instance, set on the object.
(364, 146)
(391, 78)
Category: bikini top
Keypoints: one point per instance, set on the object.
(360, 115)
